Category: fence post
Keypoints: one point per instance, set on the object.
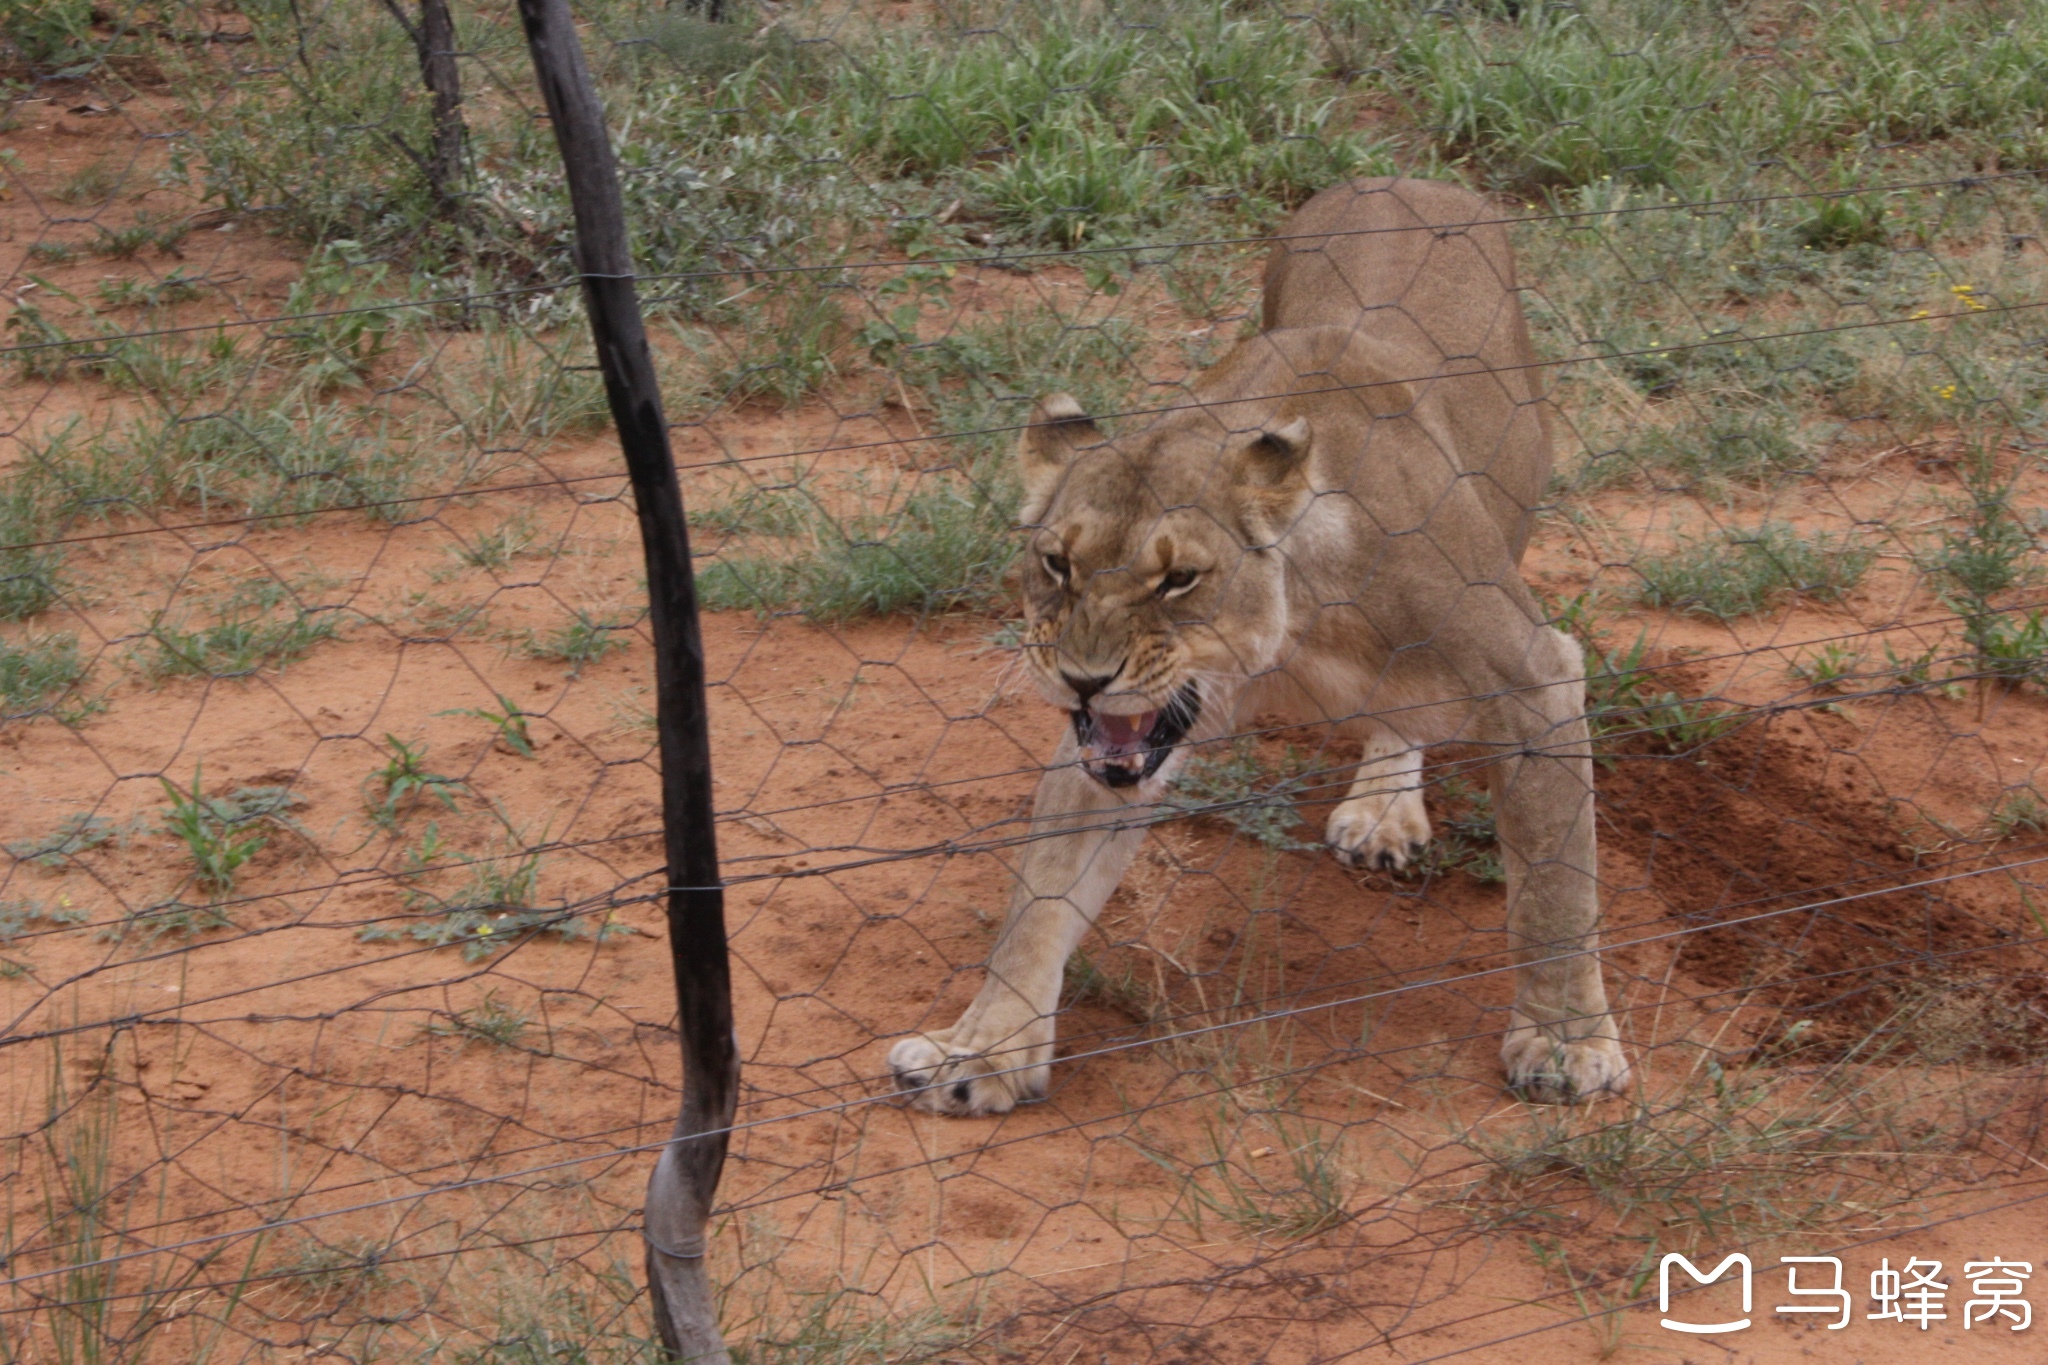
(685, 1177)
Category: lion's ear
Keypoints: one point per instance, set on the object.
(1277, 456)
(1058, 427)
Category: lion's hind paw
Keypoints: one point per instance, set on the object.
(960, 1084)
(1547, 1070)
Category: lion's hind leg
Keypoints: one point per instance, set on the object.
(1382, 824)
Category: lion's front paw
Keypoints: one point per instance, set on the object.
(961, 1083)
(1373, 832)
(1551, 1070)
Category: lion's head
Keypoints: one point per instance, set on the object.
(1152, 582)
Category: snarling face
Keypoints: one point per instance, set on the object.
(1152, 588)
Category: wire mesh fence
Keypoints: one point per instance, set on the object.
(338, 1018)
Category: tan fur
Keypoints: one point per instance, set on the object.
(1353, 489)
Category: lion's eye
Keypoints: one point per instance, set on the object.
(1059, 566)
(1177, 582)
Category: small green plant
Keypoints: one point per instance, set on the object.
(95, 182)
(130, 292)
(1117, 988)
(332, 1271)
(495, 909)
(577, 642)
(1623, 702)
(2020, 811)
(2007, 649)
(34, 669)
(499, 546)
(1293, 1187)
(1991, 551)
(1826, 668)
(1465, 839)
(398, 786)
(222, 833)
(510, 723)
(1238, 788)
(258, 625)
(487, 1022)
(75, 834)
(18, 916)
(1740, 572)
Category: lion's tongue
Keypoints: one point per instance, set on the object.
(1120, 735)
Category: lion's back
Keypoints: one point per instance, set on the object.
(1425, 266)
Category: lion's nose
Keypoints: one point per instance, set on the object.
(1085, 688)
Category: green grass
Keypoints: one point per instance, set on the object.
(1742, 571)
(1265, 1175)
(36, 668)
(403, 782)
(496, 906)
(582, 640)
(263, 624)
(1239, 788)
(489, 1022)
(75, 834)
(222, 833)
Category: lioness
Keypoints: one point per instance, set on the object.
(1327, 528)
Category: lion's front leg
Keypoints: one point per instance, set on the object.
(1000, 1052)
(1561, 1045)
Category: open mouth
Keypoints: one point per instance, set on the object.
(1122, 751)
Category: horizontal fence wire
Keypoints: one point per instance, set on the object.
(334, 1002)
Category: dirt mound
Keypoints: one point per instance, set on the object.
(1782, 838)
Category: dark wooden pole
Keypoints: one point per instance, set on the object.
(685, 1179)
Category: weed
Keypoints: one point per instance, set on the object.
(1119, 989)
(222, 833)
(1622, 703)
(2009, 649)
(495, 548)
(95, 182)
(579, 641)
(631, 715)
(31, 575)
(1238, 788)
(1916, 674)
(510, 723)
(34, 669)
(1293, 1187)
(947, 544)
(1719, 1153)
(17, 916)
(840, 1327)
(1743, 571)
(487, 1022)
(792, 349)
(1991, 552)
(1826, 668)
(258, 625)
(1465, 837)
(403, 780)
(495, 909)
(337, 1271)
(51, 37)
(75, 834)
(130, 292)
(2020, 811)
